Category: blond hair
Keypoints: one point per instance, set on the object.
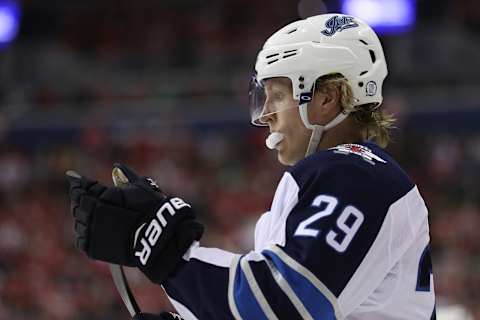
(373, 121)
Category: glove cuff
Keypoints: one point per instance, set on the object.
(170, 259)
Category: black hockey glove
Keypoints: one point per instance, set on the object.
(136, 225)
(161, 316)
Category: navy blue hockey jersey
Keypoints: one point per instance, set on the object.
(346, 237)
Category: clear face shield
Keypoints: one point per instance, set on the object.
(268, 97)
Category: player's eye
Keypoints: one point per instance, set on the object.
(275, 97)
(278, 96)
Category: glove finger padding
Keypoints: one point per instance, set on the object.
(84, 183)
(103, 227)
(169, 260)
(111, 234)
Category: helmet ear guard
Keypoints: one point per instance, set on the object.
(317, 130)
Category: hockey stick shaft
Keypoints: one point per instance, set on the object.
(123, 289)
(117, 272)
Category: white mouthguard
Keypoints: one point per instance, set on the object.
(274, 139)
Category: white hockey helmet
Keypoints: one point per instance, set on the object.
(306, 50)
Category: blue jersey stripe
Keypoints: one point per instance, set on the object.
(277, 299)
(312, 298)
(247, 304)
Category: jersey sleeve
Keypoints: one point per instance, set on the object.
(216, 284)
(331, 236)
(198, 290)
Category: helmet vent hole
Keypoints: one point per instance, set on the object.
(372, 55)
(274, 57)
(363, 72)
(360, 84)
(289, 55)
(364, 42)
(292, 31)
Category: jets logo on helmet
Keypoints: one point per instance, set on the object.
(336, 24)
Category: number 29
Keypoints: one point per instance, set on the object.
(304, 229)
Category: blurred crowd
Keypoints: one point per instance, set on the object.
(91, 54)
(158, 85)
(230, 179)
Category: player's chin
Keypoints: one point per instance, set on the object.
(281, 159)
(288, 156)
(284, 157)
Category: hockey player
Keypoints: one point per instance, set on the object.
(347, 233)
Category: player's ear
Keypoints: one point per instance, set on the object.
(326, 104)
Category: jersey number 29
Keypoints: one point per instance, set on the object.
(349, 212)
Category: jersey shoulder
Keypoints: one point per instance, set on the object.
(363, 167)
(344, 196)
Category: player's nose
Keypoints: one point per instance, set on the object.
(267, 119)
(268, 116)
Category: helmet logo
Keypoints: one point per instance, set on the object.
(305, 97)
(371, 88)
(337, 24)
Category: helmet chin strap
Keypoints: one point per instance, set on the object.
(317, 130)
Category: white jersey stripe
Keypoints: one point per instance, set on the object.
(287, 289)
(214, 256)
(257, 292)
(231, 283)
(309, 276)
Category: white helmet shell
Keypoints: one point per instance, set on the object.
(320, 45)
